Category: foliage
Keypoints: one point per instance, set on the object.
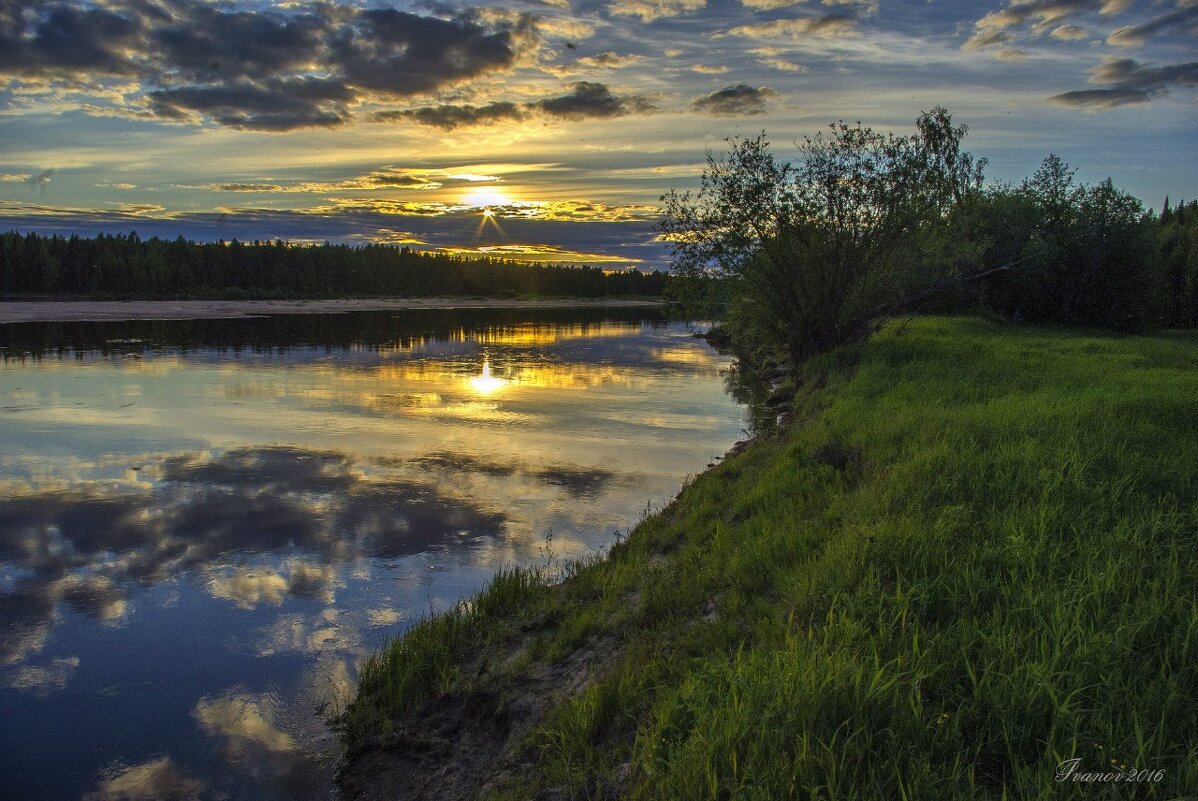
(1178, 242)
(130, 266)
(1088, 253)
(808, 252)
(794, 258)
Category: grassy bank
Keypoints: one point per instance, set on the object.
(971, 557)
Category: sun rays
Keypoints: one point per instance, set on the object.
(485, 200)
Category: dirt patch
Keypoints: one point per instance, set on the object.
(459, 745)
(446, 750)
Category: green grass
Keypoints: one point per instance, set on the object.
(974, 556)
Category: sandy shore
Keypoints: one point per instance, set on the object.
(97, 310)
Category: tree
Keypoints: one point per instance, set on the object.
(1090, 253)
(807, 253)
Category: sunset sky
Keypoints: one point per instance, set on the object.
(544, 130)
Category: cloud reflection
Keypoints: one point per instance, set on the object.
(157, 780)
(256, 525)
(42, 679)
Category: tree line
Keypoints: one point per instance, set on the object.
(793, 258)
(124, 265)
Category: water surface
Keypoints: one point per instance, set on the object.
(205, 525)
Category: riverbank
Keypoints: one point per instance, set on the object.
(968, 560)
(101, 310)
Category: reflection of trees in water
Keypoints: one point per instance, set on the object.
(280, 332)
(752, 391)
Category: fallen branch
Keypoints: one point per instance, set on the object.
(919, 297)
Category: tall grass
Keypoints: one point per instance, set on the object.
(427, 660)
(975, 559)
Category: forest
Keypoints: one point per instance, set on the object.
(124, 265)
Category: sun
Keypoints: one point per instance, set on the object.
(485, 198)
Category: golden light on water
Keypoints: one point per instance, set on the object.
(485, 383)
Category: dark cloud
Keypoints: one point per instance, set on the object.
(737, 100)
(263, 70)
(65, 40)
(273, 105)
(1138, 35)
(451, 116)
(246, 187)
(208, 43)
(400, 53)
(1129, 82)
(401, 180)
(587, 99)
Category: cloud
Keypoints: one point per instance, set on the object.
(705, 69)
(609, 60)
(1070, 33)
(268, 70)
(449, 117)
(243, 187)
(829, 25)
(1129, 82)
(649, 10)
(1137, 35)
(203, 42)
(587, 99)
(273, 105)
(770, 5)
(781, 64)
(737, 100)
(382, 179)
(992, 29)
(772, 57)
(63, 41)
(40, 180)
(400, 53)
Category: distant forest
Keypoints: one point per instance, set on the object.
(128, 266)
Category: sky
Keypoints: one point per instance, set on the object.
(545, 130)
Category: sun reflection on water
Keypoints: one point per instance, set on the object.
(485, 383)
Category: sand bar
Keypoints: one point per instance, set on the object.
(99, 310)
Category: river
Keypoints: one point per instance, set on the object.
(205, 525)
